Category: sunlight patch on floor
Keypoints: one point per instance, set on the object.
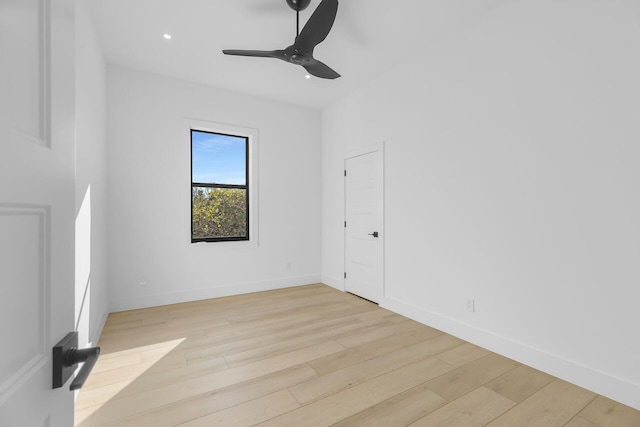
(116, 371)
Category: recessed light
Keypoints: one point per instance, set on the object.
(307, 76)
(167, 36)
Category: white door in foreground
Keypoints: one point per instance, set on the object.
(37, 209)
(364, 255)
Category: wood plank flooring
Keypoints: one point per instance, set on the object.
(314, 356)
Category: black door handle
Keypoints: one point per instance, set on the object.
(66, 356)
(374, 234)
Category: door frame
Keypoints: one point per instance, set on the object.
(350, 154)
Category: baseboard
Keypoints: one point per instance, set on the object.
(599, 382)
(159, 299)
(95, 335)
(333, 282)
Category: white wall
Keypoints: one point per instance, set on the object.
(91, 181)
(511, 177)
(149, 194)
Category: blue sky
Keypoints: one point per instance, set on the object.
(218, 159)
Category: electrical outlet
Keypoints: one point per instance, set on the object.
(288, 265)
(471, 305)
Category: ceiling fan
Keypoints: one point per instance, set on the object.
(301, 51)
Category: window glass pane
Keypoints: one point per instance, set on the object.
(219, 159)
(219, 213)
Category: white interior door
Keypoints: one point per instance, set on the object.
(364, 236)
(37, 209)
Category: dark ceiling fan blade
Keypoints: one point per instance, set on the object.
(301, 51)
(278, 54)
(320, 69)
(318, 26)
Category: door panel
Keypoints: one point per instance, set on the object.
(37, 206)
(363, 214)
(23, 39)
(22, 230)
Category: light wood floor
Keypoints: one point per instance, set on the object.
(314, 356)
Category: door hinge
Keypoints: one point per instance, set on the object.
(345, 224)
(345, 172)
(345, 274)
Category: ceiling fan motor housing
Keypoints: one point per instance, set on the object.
(298, 5)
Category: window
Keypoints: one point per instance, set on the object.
(219, 187)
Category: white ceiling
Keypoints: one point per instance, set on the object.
(368, 37)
